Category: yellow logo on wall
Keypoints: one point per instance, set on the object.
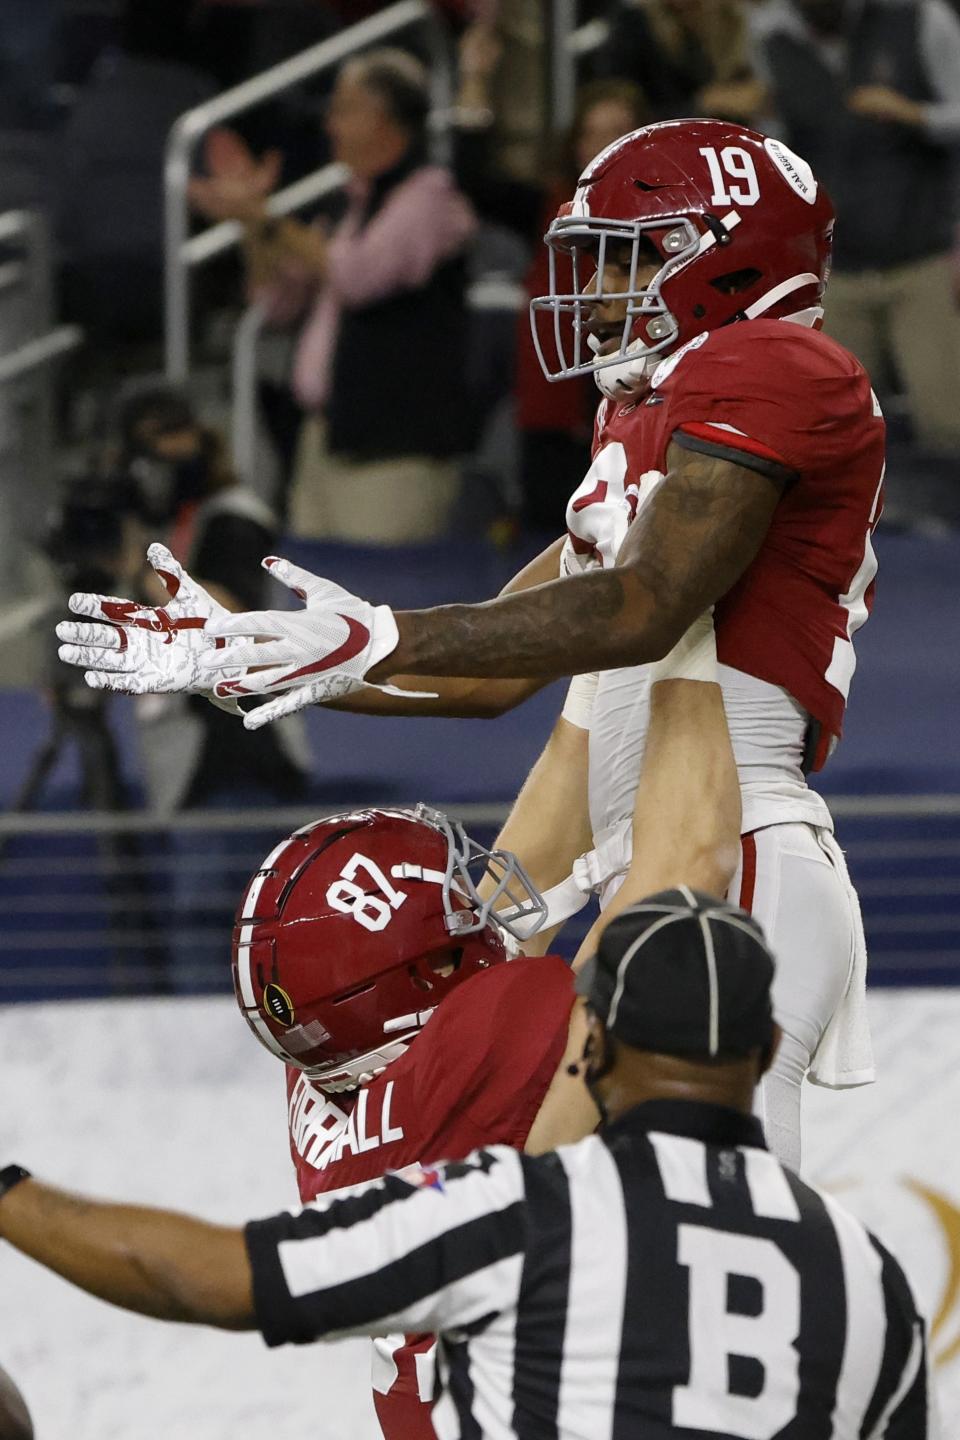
(946, 1319)
(947, 1216)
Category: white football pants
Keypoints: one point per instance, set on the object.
(790, 886)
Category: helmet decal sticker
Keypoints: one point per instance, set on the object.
(795, 171)
(277, 1004)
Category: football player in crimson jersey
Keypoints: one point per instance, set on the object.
(366, 959)
(738, 463)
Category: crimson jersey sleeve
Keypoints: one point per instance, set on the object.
(789, 402)
(488, 1064)
(475, 1075)
(771, 396)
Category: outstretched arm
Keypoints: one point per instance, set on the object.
(686, 818)
(307, 1285)
(687, 547)
(461, 696)
(549, 825)
(155, 1262)
(686, 831)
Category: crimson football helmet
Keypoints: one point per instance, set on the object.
(739, 224)
(355, 928)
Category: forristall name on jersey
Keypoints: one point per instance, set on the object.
(322, 1132)
(475, 1075)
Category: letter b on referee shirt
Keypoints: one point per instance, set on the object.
(717, 1333)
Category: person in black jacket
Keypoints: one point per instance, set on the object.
(868, 91)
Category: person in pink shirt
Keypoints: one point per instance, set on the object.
(378, 368)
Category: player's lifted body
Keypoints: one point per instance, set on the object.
(364, 929)
(701, 255)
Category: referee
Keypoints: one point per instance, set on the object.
(665, 1277)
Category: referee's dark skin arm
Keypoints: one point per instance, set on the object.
(156, 1262)
(175, 1267)
(15, 1422)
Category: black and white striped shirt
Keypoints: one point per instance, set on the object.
(666, 1277)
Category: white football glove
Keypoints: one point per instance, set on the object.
(144, 649)
(304, 657)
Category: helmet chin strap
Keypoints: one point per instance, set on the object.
(623, 379)
(351, 1074)
(778, 293)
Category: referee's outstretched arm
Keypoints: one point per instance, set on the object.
(395, 1249)
(440, 1249)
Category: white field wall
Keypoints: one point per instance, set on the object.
(171, 1102)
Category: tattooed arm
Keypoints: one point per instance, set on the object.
(462, 696)
(686, 548)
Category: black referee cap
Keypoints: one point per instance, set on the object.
(683, 973)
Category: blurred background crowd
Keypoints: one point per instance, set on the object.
(264, 273)
(298, 319)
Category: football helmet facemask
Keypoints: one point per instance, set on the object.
(355, 928)
(736, 221)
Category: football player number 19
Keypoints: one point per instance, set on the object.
(373, 912)
(733, 175)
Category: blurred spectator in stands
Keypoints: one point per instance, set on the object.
(236, 39)
(690, 57)
(353, 10)
(29, 31)
(15, 1421)
(111, 200)
(27, 48)
(196, 757)
(379, 366)
(95, 539)
(554, 421)
(868, 92)
(520, 98)
(195, 754)
(521, 95)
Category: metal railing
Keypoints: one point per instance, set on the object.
(30, 344)
(36, 354)
(563, 62)
(27, 230)
(183, 253)
(103, 903)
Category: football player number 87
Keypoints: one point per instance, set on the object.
(733, 175)
(373, 912)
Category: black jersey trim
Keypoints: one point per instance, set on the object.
(781, 475)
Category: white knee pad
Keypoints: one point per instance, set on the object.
(777, 1103)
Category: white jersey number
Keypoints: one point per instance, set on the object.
(716, 1333)
(733, 175)
(373, 912)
